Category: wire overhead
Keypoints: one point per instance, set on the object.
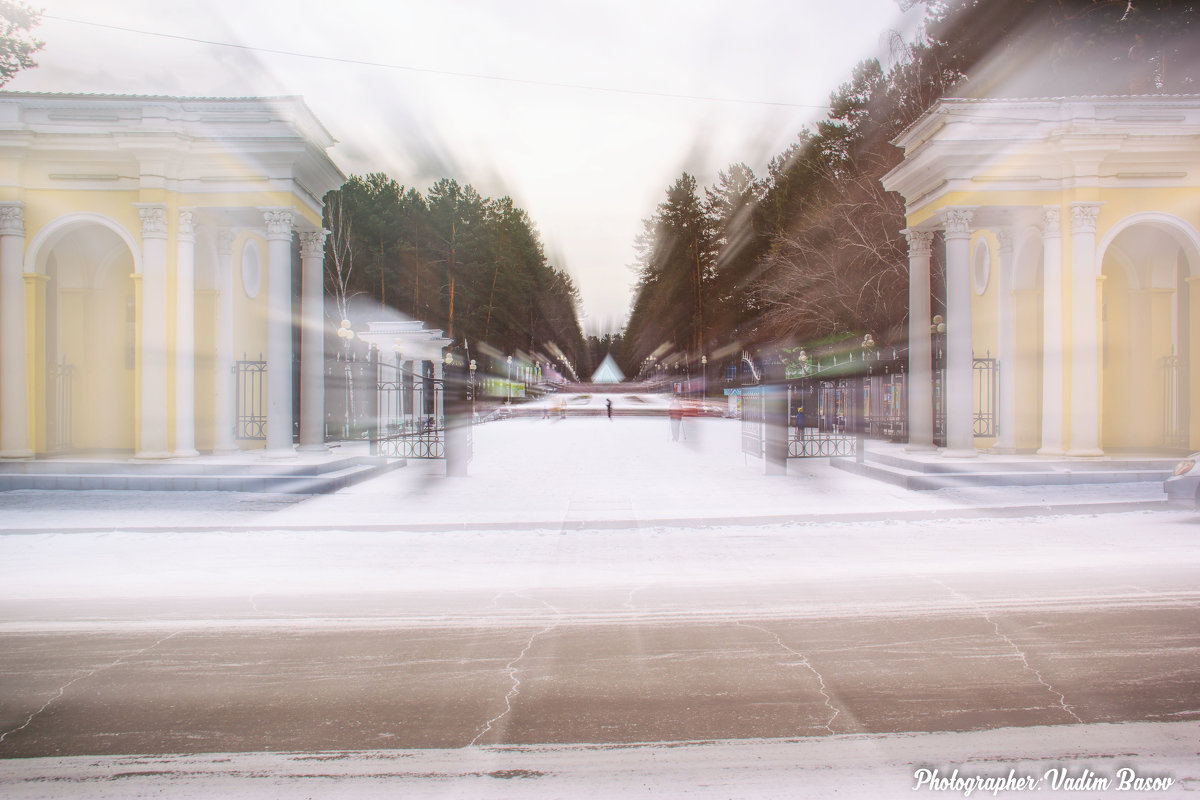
(429, 70)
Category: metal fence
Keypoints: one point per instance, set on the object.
(827, 413)
(986, 372)
(410, 412)
(1173, 429)
(250, 413)
(753, 418)
(61, 378)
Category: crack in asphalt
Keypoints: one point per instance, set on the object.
(512, 668)
(1062, 700)
(62, 689)
(807, 664)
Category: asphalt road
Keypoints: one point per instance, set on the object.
(717, 659)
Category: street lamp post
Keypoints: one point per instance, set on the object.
(396, 347)
(346, 335)
(937, 329)
(508, 382)
(472, 367)
(703, 378)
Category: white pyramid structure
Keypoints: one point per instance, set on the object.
(608, 371)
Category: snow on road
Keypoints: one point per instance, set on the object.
(863, 766)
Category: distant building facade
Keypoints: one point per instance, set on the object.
(1071, 229)
(146, 245)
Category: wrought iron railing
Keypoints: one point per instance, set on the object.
(811, 443)
(409, 413)
(61, 375)
(986, 371)
(250, 414)
(1172, 433)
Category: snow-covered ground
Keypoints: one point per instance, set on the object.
(832, 767)
(612, 523)
(561, 474)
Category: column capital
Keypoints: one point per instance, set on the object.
(957, 222)
(920, 243)
(154, 220)
(225, 239)
(187, 225)
(279, 223)
(1050, 223)
(1083, 217)
(1005, 237)
(12, 219)
(312, 243)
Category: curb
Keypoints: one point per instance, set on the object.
(930, 515)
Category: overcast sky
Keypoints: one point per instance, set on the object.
(583, 112)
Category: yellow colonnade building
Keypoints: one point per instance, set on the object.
(1071, 234)
(146, 244)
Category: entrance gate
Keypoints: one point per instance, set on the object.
(410, 419)
(821, 430)
(417, 415)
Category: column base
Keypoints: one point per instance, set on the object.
(153, 455)
(1089, 452)
(16, 455)
(1050, 451)
(277, 455)
(313, 448)
(1003, 451)
(225, 450)
(190, 453)
(960, 453)
(920, 448)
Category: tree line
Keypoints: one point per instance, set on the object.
(813, 249)
(472, 266)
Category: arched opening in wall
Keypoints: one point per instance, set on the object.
(90, 340)
(1028, 326)
(1148, 350)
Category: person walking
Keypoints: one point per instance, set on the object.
(608, 407)
(676, 414)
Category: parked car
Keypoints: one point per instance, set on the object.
(1183, 487)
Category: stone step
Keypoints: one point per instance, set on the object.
(925, 480)
(233, 479)
(1027, 465)
(189, 467)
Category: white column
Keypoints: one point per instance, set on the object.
(312, 341)
(920, 353)
(279, 332)
(185, 336)
(1052, 335)
(1006, 442)
(152, 391)
(1085, 333)
(14, 375)
(225, 442)
(960, 405)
